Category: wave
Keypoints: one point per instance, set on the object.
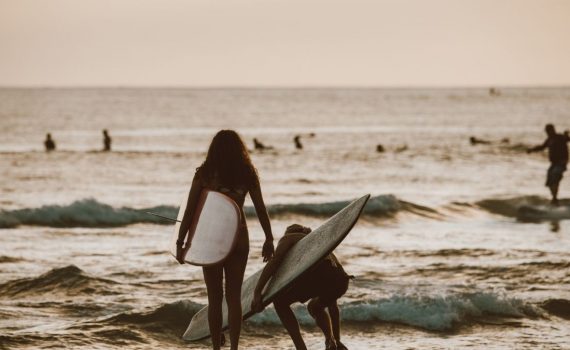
(84, 213)
(558, 307)
(527, 208)
(433, 313)
(440, 313)
(91, 213)
(377, 206)
(173, 317)
(69, 280)
(4, 259)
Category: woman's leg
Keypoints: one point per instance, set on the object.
(213, 276)
(234, 269)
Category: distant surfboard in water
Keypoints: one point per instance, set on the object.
(302, 256)
(213, 229)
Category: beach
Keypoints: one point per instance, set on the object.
(443, 255)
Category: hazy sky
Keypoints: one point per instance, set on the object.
(285, 42)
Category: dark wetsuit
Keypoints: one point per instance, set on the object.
(327, 281)
(558, 154)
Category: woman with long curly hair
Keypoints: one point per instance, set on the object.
(229, 170)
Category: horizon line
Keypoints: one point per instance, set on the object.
(283, 87)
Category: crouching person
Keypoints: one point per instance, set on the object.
(324, 284)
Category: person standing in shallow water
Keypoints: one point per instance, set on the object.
(49, 143)
(557, 145)
(106, 141)
(229, 170)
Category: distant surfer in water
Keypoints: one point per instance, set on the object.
(297, 141)
(260, 146)
(324, 285)
(557, 145)
(106, 141)
(229, 170)
(49, 143)
(475, 141)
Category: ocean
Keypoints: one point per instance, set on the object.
(445, 255)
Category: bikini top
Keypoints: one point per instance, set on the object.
(238, 191)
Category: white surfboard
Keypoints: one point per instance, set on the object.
(213, 229)
(303, 255)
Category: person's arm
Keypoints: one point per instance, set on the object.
(261, 210)
(268, 272)
(193, 197)
(538, 148)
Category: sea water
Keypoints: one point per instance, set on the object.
(443, 256)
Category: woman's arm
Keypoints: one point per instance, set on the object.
(193, 197)
(261, 210)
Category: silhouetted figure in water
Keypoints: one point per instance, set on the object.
(297, 140)
(380, 148)
(475, 141)
(557, 145)
(49, 143)
(494, 92)
(260, 146)
(323, 286)
(106, 141)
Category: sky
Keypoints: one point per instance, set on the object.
(385, 43)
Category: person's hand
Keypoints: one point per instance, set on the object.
(256, 304)
(180, 254)
(267, 250)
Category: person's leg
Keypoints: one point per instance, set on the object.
(213, 276)
(317, 311)
(334, 313)
(234, 269)
(554, 193)
(553, 178)
(290, 323)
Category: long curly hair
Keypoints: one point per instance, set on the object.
(228, 161)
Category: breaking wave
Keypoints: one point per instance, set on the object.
(91, 213)
(433, 313)
(83, 213)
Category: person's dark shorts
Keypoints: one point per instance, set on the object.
(554, 174)
(324, 282)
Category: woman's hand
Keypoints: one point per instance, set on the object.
(267, 250)
(180, 254)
